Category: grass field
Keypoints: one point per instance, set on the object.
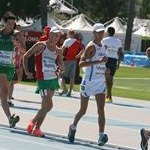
(132, 83)
(128, 82)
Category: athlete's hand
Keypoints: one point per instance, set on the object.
(62, 69)
(107, 73)
(104, 59)
(29, 75)
(117, 67)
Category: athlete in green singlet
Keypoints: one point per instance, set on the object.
(6, 64)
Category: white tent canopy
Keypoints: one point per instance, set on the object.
(62, 6)
(78, 23)
(119, 27)
(138, 23)
(25, 23)
(141, 31)
(144, 30)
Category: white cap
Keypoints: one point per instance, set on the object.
(16, 31)
(54, 29)
(98, 27)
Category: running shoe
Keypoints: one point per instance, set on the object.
(30, 126)
(71, 134)
(13, 120)
(38, 133)
(63, 92)
(68, 94)
(144, 139)
(102, 139)
(10, 103)
(108, 100)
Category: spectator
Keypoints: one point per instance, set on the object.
(71, 47)
(45, 36)
(19, 51)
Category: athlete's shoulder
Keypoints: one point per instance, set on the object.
(90, 49)
(105, 38)
(90, 45)
(1, 30)
(41, 44)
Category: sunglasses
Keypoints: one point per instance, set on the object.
(11, 17)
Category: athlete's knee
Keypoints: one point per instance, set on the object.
(4, 91)
(100, 111)
(109, 82)
(49, 107)
(82, 112)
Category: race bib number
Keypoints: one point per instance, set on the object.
(112, 52)
(6, 57)
(48, 65)
(100, 70)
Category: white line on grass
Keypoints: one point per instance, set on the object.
(132, 78)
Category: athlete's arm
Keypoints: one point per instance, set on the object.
(120, 56)
(33, 50)
(80, 53)
(148, 52)
(89, 53)
(60, 60)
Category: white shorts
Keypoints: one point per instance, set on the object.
(94, 87)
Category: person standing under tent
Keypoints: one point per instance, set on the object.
(71, 48)
(19, 51)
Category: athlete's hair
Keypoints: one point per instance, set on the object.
(111, 31)
(8, 15)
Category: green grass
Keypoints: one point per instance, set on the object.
(128, 72)
(128, 82)
(132, 83)
(28, 83)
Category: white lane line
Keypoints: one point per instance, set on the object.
(37, 143)
(1, 148)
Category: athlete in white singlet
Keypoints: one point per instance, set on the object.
(93, 60)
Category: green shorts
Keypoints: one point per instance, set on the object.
(8, 71)
(47, 85)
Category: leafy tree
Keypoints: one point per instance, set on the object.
(102, 10)
(21, 8)
(145, 9)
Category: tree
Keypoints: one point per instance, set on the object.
(21, 8)
(145, 9)
(129, 25)
(102, 10)
(44, 4)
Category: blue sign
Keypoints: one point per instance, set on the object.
(136, 60)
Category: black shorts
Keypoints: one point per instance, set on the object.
(112, 65)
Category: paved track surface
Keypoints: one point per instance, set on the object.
(124, 119)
